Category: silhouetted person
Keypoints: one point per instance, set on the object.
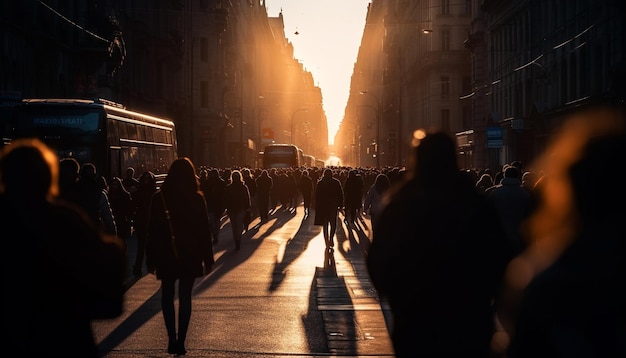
(353, 195)
(64, 267)
(121, 207)
(178, 249)
(237, 202)
(94, 199)
(264, 183)
(130, 182)
(141, 202)
(213, 188)
(567, 292)
(305, 186)
(248, 179)
(374, 198)
(438, 256)
(513, 203)
(328, 201)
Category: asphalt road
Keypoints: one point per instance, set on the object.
(279, 296)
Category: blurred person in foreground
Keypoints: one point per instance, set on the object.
(179, 246)
(438, 256)
(565, 295)
(65, 268)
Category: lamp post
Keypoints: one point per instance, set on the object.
(293, 133)
(377, 127)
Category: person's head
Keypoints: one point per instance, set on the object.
(148, 179)
(485, 179)
(29, 168)
(434, 156)
(512, 172)
(382, 183)
(130, 172)
(88, 171)
(328, 173)
(235, 176)
(181, 177)
(68, 171)
(116, 185)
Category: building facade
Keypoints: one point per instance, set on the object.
(223, 71)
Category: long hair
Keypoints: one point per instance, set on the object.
(181, 178)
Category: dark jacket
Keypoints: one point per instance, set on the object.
(190, 222)
(439, 257)
(328, 200)
(236, 198)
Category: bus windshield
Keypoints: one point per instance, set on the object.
(281, 156)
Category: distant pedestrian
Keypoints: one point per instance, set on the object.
(514, 204)
(438, 256)
(353, 196)
(94, 199)
(264, 183)
(248, 179)
(374, 198)
(141, 202)
(305, 186)
(328, 201)
(130, 182)
(121, 207)
(213, 188)
(65, 270)
(484, 182)
(237, 202)
(179, 246)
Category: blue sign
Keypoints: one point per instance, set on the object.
(494, 137)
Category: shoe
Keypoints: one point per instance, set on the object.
(172, 347)
(181, 351)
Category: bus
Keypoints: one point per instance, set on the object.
(101, 132)
(282, 156)
(309, 160)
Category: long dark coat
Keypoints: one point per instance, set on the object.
(439, 255)
(190, 222)
(328, 200)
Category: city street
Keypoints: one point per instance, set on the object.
(279, 296)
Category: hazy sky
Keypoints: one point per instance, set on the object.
(329, 35)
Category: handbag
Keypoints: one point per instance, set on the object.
(169, 223)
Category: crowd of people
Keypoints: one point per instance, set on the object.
(524, 262)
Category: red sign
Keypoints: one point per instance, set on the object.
(267, 133)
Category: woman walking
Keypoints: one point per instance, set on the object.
(179, 246)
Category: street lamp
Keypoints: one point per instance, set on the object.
(377, 126)
(293, 137)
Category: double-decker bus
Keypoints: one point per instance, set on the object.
(282, 156)
(100, 132)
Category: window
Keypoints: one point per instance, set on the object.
(204, 50)
(445, 87)
(204, 94)
(445, 120)
(445, 40)
(445, 7)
